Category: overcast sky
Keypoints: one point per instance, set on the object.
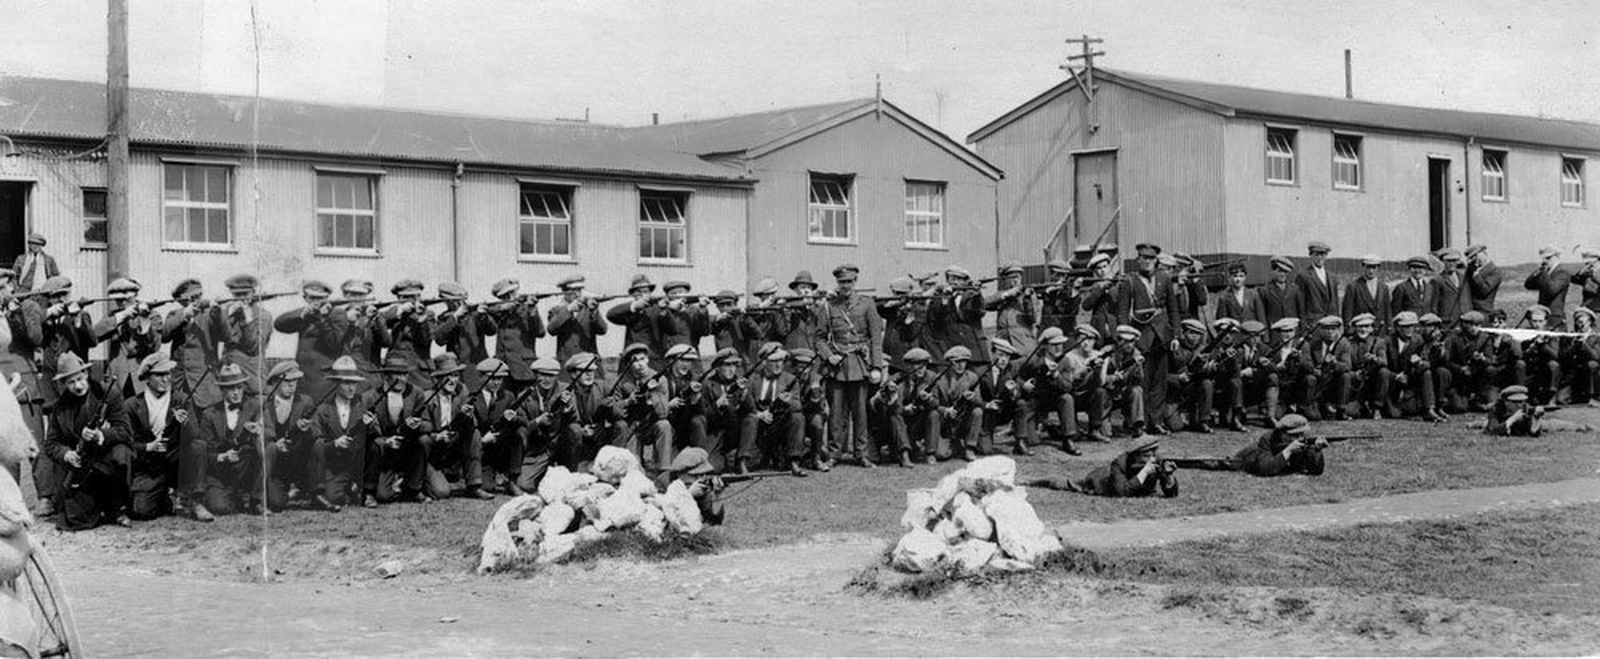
(957, 65)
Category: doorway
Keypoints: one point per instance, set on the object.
(1438, 203)
(1094, 196)
(13, 221)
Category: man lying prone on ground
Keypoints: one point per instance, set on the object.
(1137, 472)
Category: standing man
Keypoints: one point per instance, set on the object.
(576, 322)
(639, 315)
(1319, 291)
(850, 337)
(1450, 293)
(128, 331)
(1015, 309)
(1146, 303)
(517, 324)
(362, 335)
(1367, 293)
(194, 331)
(1058, 303)
(35, 266)
(462, 329)
(1483, 278)
(802, 320)
(25, 320)
(246, 329)
(317, 337)
(1281, 297)
(683, 320)
(411, 325)
(66, 329)
(1100, 297)
(1236, 301)
(1416, 294)
(1551, 282)
(1589, 280)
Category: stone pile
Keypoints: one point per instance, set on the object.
(571, 509)
(977, 519)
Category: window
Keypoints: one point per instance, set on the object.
(663, 225)
(1572, 182)
(196, 204)
(94, 217)
(1280, 156)
(544, 225)
(1346, 162)
(1494, 175)
(924, 214)
(829, 210)
(347, 215)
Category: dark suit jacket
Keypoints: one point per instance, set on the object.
(1449, 300)
(1252, 309)
(1284, 303)
(1482, 285)
(1358, 300)
(575, 331)
(1552, 287)
(1409, 296)
(1316, 298)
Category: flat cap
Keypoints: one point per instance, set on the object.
(1223, 324)
(452, 291)
(1193, 325)
(1409, 318)
(1183, 259)
(1363, 319)
(505, 288)
(406, 286)
(775, 355)
(1549, 251)
(726, 356)
(156, 363)
(958, 353)
(1474, 250)
(314, 288)
(1430, 319)
(803, 355)
(1252, 327)
(582, 361)
(1330, 320)
(1473, 317)
(1147, 249)
(186, 287)
(1167, 261)
(917, 356)
(1142, 443)
(1449, 255)
(573, 280)
(956, 272)
(1003, 347)
(1282, 263)
(1009, 268)
(285, 370)
(725, 295)
(633, 349)
(765, 286)
(1538, 309)
(1419, 262)
(356, 287)
(1286, 324)
(1086, 331)
(641, 281)
(1371, 259)
(545, 366)
(123, 287)
(1052, 336)
(242, 281)
(1318, 247)
(675, 285)
(681, 351)
(1058, 265)
(901, 285)
(1098, 259)
(693, 461)
(1293, 424)
(1128, 332)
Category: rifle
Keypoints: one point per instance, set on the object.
(608, 298)
(255, 297)
(1346, 438)
(86, 459)
(922, 389)
(754, 475)
(189, 389)
(318, 403)
(1218, 264)
(424, 302)
(1210, 346)
(1205, 464)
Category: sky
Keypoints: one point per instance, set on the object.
(956, 65)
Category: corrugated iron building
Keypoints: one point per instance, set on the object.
(1217, 169)
(294, 191)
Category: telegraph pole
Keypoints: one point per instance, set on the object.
(117, 139)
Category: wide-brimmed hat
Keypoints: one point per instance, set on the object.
(344, 369)
(395, 364)
(68, 365)
(230, 375)
(446, 364)
(802, 278)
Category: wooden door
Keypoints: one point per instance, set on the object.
(1094, 196)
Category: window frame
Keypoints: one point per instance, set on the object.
(848, 185)
(942, 189)
(1499, 172)
(1580, 183)
(229, 169)
(686, 205)
(568, 193)
(104, 220)
(1293, 154)
(372, 177)
(1355, 162)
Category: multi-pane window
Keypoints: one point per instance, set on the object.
(663, 225)
(94, 217)
(1347, 162)
(1280, 155)
(196, 203)
(544, 223)
(924, 214)
(828, 213)
(347, 214)
(1572, 182)
(1494, 174)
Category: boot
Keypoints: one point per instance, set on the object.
(1068, 448)
(794, 469)
(1236, 420)
(1022, 449)
(322, 502)
(202, 514)
(967, 455)
(905, 458)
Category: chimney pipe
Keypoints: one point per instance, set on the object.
(1349, 91)
(655, 118)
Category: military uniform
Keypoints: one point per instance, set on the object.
(1148, 305)
(850, 338)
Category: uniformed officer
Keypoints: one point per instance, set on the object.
(1146, 304)
(850, 338)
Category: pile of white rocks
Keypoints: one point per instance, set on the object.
(571, 509)
(977, 519)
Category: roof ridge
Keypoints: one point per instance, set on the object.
(850, 102)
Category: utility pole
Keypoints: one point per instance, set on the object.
(117, 139)
(1085, 80)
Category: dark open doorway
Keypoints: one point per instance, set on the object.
(13, 220)
(1438, 203)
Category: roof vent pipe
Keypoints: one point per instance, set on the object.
(1349, 91)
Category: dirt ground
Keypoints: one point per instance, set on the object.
(782, 600)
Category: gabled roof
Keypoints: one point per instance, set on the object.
(1231, 100)
(76, 110)
(755, 135)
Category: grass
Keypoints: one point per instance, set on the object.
(1541, 562)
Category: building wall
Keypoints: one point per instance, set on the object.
(882, 154)
(1532, 215)
(274, 224)
(1169, 171)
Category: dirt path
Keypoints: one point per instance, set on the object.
(1436, 504)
